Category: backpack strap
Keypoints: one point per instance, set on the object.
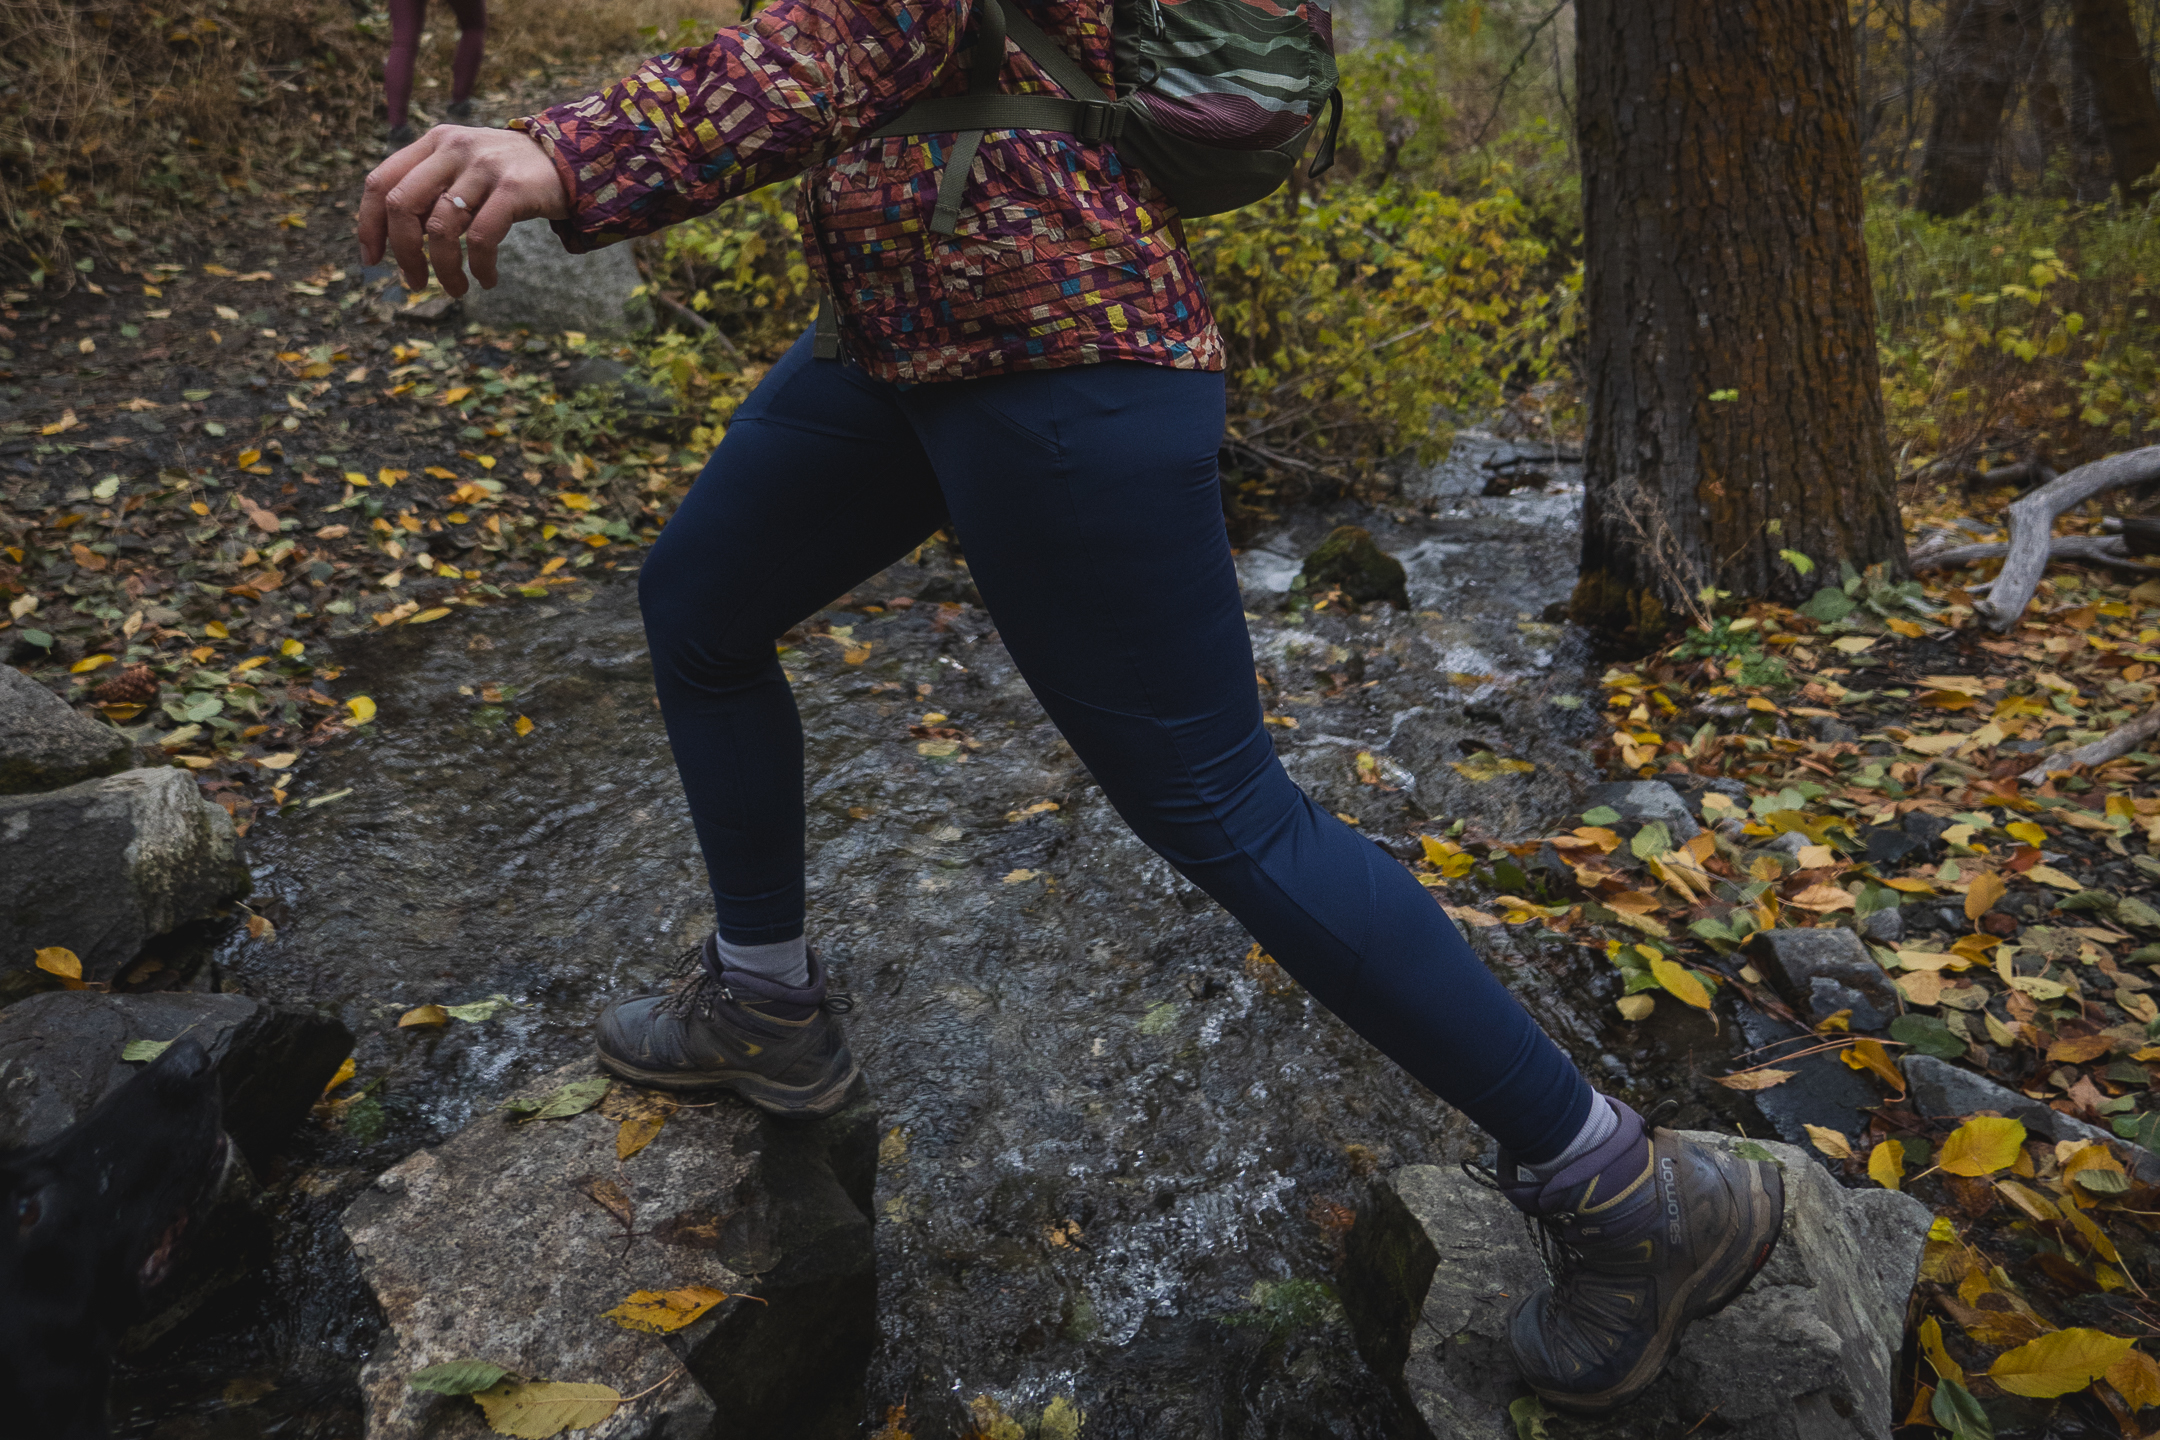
(984, 107)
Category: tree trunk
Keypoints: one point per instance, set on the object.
(1733, 402)
(2104, 46)
(1988, 46)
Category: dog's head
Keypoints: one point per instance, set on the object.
(89, 1223)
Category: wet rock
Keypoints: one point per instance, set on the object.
(45, 744)
(1352, 561)
(1806, 1353)
(60, 1053)
(1944, 1090)
(508, 1242)
(1644, 801)
(547, 289)
(103, 866)
(1885, 927)
(1886, 846)
(1824, 970)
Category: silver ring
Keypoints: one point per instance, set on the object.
(454, 200)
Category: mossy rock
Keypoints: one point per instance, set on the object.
(1351, 561)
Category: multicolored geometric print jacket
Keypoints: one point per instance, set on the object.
(1063, 256)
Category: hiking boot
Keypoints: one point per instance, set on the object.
(776, 1046)
(400, 136)
(1641, 1237)
(460, 111)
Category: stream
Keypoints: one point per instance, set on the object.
(1119, 1156)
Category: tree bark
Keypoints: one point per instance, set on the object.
(1733, 404)
(1988, 47)
(2104, 46)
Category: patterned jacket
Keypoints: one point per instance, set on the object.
(1063, 257)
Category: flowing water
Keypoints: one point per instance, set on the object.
(1119, 1155)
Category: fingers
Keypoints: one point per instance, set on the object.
(412, 203)
(487, 228)
(374, 196)
(452, 216)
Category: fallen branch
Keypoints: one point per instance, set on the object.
(2117, 742)
(2094, 549)
(2032, 527)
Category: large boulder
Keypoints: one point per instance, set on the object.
(1806, 1353)
(45, 744)
(545, 288)
(103, 866)
(508, 1242)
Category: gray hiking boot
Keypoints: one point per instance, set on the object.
(1646, 1234)
(776, 1046)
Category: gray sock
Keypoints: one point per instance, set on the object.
(784, 962)
(1597, 1128)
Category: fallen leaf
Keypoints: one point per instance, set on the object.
(479, 1010)
(2077, 1049)
(2136, 1377)
(1853, 644)
(456, 1377)
(574, 1098)
(1485, 766)
(1981, 1146)
(345, 1072)
(1755, 1079)
(1865, 1054)
(1886, 1164)
(609, 1196)
(1931, 1345)
(2059, 1363)
(362, 708)
(536, 1409)
(2026, 831)
(143, 1050)
(1680, 982)
(663, 1312)
(1922, 987)
(2029, 1200)
(521, 727)
(640, 1115)
(2049, 875)
(1987, 888)
(1463, 915)
(425, 616)
(1829, 1141)
(61, 961)
(1635, 1007)
(1822, 898)
(424, 1015)
(1934, 744)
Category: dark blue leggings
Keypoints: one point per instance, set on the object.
(1087, 502)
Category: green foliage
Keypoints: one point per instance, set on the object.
(2027, 316)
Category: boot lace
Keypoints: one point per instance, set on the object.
(693, 990)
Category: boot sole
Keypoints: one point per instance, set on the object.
(792, 1101)
(1740, 1256)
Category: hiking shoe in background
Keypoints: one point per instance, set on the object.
(776, 1046)
(1646, 1234)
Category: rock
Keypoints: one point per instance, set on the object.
(508, 1242)
(1886, 846)
(1885, 927)
(1796, 960)
(60, 1054)
(1644, 801)
(545, 288)
(103, 866)
(1806, 1353)
(1944, 1090)
(45, 744)
(1352, 561)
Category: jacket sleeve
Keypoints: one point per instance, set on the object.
(764, 100)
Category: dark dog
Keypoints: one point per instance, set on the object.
(89, 1221)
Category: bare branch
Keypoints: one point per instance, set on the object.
(2032, 526)
(2117, 742)
(2094, 549)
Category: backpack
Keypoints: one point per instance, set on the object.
(1217, 97)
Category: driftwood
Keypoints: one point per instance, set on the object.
(2117, 742)
(2092, 549)
(2032, 525)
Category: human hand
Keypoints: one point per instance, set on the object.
(455, 182)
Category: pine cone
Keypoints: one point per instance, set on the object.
(136, 685)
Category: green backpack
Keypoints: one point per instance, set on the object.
(1216, 98)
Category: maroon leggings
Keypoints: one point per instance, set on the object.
(405, 19)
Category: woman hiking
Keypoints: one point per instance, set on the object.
(1024, 354)
(406, 19)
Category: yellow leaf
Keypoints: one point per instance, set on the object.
(439, 473)
(1981, 1146)
(61, 961)
(253, 662)
(424, 1015)
(216, 630)
(1931, 1345)
(1755, 1079)
(2026, 831)
(1923, 987)
(91, 662)
(283, 760)
(1829, 1141)
(2049, 875)
(1910, 886)
(662, 1312)
(354, 477)
(1910, 631)
(1865, 1054)
(1934, 744)
(536, 1409)
(456, 393)
(345, 1072)
(1679, 982)
(2029, 1200)
(641, 1116)
(2136, 1377)
(522, 726)
(1463, 915)
(1635, 1007)
(1853, 644)
(2059, 1363)
(387, 476)
(292, 649)
(1987, 888)
(247, 458)
(362, 708)
(572, 500)
(1886, 1164)
(426, 615)
(554, 563)
(1821, 898)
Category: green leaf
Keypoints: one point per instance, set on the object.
(2141, 1129)
(456, 1377)
(1724, 397)
(2099, 901)
(1651, 841)
(143, 1050)
(1529, 1414)
(1829, 606)
(40, 638)
(1606, 815)
(1749, 1150)
(1928, 1035)
(573, 1099)
(1798, 561)
(1955, 1409)
(480, 1010)
(2102, 1182)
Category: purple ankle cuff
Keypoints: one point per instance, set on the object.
(1529, 1193)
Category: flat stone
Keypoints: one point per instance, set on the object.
(1826, 997)
(545, 288)
(102, 866)
(504, 1243)
(1885, 927)
(1644, 801)
(1795, 959)
(45, 743)
(1805, 1353)
(60, 1054)
(1946, 1091)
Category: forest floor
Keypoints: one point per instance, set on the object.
(238, 449)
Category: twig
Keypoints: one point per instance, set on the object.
(1520, 56)
(2117, 742)
(2032, 526)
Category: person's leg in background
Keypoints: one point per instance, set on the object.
(406, 17)
(465, 64)
(1099, 483)
(818, 485)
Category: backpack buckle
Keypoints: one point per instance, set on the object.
(1099, 123)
